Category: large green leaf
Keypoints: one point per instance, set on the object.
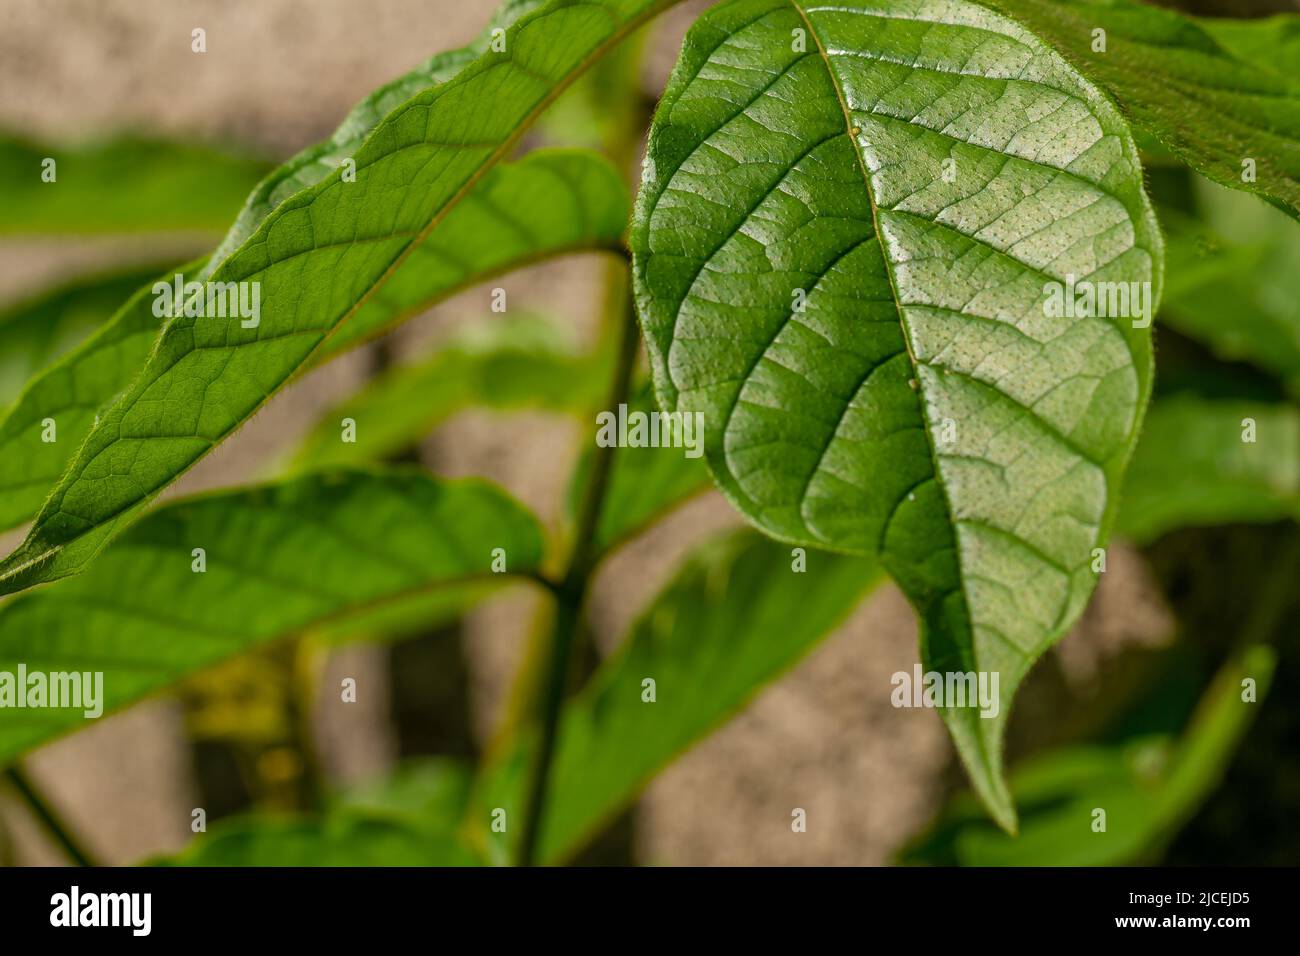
(917, 172)
(735, 617)
(124, 185)
(1194, 466)
(580, 204)
(39, 329)
(522, 361)
(1234, 279)
(1213, 109)
(1148, 787)
(280, 560)
(317, 257)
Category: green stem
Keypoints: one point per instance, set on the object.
(48, 817)
(571, 595)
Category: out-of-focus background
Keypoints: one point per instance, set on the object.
(278, 75)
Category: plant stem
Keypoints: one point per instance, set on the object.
(570, 597)
(48, 817)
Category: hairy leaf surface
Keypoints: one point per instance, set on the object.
(843, 249)
(279, 560)
(317, 258)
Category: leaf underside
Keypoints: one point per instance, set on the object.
(922, 405)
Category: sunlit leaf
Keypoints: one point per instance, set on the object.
(852, 222)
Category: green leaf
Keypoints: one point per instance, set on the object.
(505, 363)
(1269, 43)
(315, 163)
(1234, 280)
(1174, 81)
(735, 617)
(123, 185)
(37, 330)
(268, 841)
(1193, 466)
(575, 202)
(410, 819)
(580, 203)
(1147, 786)
(280, 560)
(918, 172)
(69, 393)
(317, 258)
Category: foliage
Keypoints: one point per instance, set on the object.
(852, 224)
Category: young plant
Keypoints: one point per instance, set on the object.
(894, 266)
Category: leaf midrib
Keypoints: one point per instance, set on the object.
(961, 589)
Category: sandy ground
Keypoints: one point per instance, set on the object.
(278, 75)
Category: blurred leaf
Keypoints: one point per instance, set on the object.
(268, 841)
(1148, 787)
(317, 258)
(1173, 81)
(1268, 43)
(37, 330)
(408, 820)
(644, 483)
(845, 277)
(734, 618)
(1234, 280)
(429, 793)
(280, 560)
(515, 362)
(125, 185)
(1193, 468)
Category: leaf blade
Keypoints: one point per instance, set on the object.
(279, 560)
(318, 257)
(923, 307)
